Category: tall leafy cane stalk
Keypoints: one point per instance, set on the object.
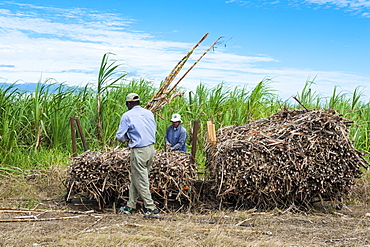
(107, 71)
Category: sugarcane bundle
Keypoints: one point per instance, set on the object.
(290, 158)
(172, 180)
(100, 175)
(167, 92)
(105, 176)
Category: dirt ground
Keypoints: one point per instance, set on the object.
(53, 222)
(56, 223)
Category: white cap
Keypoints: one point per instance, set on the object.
(132, 97)
(176, 118)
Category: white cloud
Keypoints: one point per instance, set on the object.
(360, 6)
(343, 3)
(68, 47)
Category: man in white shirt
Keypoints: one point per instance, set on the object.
(138, 127)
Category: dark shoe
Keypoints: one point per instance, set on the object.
(151, 212)
(126, 210)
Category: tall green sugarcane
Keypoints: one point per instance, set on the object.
(108, 69)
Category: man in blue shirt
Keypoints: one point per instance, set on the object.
(176, 135)
(138, 127)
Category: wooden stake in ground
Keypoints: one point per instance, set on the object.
(211, 133)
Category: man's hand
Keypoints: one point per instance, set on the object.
(168, 147)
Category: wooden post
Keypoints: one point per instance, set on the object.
(81, 133)
(194, 141)
(74, 149)
(211, 133)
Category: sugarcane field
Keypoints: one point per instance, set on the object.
(257, 171)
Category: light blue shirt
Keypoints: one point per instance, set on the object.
(138, 127)
(176, 137)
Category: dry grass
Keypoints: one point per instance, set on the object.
(34, 184)
(270, 229)
(360, 194)
(323, 227)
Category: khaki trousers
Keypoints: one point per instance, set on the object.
(141, 160)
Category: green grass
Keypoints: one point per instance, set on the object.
(20, 160)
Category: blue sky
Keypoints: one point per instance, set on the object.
(288, 42)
